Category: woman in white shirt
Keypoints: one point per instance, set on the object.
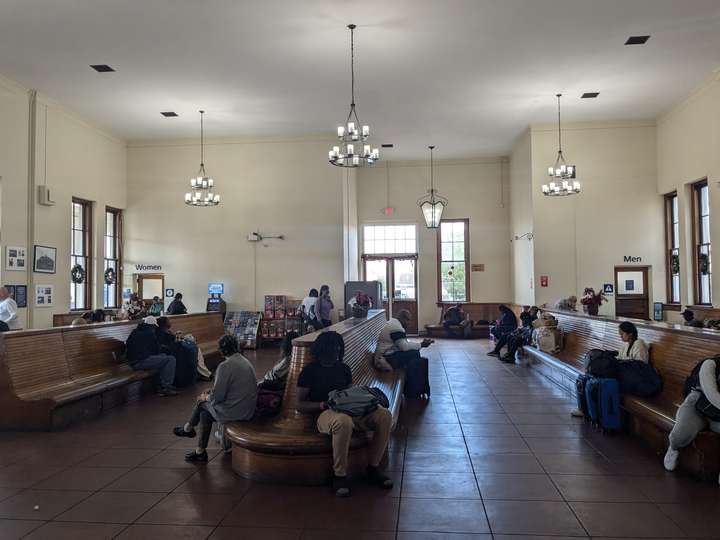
(308, 310)
(636, 348)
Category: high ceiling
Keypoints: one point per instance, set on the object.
(466, 75)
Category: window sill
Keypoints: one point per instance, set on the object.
(672, 307)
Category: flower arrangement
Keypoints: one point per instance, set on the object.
(591, 301)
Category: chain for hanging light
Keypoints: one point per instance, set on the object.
(201, 186)
(563, 181)
(432, 204)
(352, 150)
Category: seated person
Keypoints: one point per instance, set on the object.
(317, 379)
(232, 398)
(143, 352)
(360, 304)
(98, 316)
(4, 327)
(85, 318)
(456, 316)
(156, 307)
(393, 349)
(567, 304)
(184, 351)
(690, 320)
(276, 378)
(528, 316)
(506, 324)
(688, 420)
(177, 307)
(636, 349)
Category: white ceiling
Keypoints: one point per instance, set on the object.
(466, 75)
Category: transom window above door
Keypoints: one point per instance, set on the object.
(389, 239)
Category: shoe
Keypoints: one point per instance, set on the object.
(671, 459)
(379, 479)
(493, 353)
(577, 413)
(180, 432)
(194, 457)
(341, 486)
(167, 391)
(203, 378)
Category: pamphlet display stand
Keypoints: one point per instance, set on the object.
(244, 325)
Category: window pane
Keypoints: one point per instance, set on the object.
(446, 249)
(459, 231)
(369, 233)
(459, 251)
(445, 232)
(389, 239)
(109, 224)
(675, 211)
(78, 243)
(676, 236)
(377, 271)
(704, 203)
(410, 232)
(705, 229)
(404, 272)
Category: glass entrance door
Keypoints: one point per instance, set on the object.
(398, 276)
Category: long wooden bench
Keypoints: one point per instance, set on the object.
(478, 311)
(287, 448)
(52, 378)
(675, 351)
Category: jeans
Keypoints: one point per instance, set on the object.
(162, 362)
(202, 416)
(448, 328)
(326, 323)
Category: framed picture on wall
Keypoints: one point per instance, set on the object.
(15, 257)
(44, 259)
(44, 295)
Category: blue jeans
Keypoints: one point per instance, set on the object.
(162, 362)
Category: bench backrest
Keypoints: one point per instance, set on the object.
(675, 350)
(205, 327)
(94, 348)
(485, 311)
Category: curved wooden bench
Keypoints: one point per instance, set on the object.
(288, 448)
(52, 378)
(675, 352)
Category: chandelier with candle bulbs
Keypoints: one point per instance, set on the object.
(201, 186)
(353, 150)
(562, 175)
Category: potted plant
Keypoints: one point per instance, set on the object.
(591, 301)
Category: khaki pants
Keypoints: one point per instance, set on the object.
(340, 426)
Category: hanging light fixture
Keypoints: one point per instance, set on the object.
(353, 150)
(432, 204)
(201, 186)
(562, 175)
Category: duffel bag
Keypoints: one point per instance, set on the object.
(639, 379)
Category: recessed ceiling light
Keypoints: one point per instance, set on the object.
(102, 68)
(637, 40)
(587, 95)
(387, 145)
(169, 114)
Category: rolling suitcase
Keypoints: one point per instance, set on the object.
(603, 403)
(417, 379)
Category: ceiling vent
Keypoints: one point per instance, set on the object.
(590, 95)
(637, 40)
(169, 114)
(102, 68)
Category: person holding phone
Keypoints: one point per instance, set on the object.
(394, 350)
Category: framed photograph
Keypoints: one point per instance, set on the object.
(44, 259)
(15, 257)
(44, 295)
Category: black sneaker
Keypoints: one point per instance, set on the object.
(167, 391)
(341, 486)
(194, 457)
(493, 353)
(379, 479)
(180, 432)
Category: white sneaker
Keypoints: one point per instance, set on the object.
(671, 459)
(577, 413)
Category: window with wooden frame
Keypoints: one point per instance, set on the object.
(81, 255)
(672, 248)
(702, 254)
(453, 265)
(113, 251)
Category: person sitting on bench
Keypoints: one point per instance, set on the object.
(393, 349)
(690, 320)
(636, 348)
(317, 379)
(506, 324)
(456, 316)
(232, 398)
(527, 317)
(143, 352)
(277, 376)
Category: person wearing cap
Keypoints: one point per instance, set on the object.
(143, 352)
(232, 398)
(690, 320)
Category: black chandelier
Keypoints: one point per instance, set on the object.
(432, 204)
(353, 150)
(562, 175)
(201, 186)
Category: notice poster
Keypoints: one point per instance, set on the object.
(15, 258)
(44, 296)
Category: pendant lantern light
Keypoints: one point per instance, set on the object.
(562, 175)
(432, 204)
(201, 186)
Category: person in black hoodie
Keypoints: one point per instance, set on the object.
(176, 307)
(143, 352)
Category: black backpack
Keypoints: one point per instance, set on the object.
(693, 380)
(602, 364)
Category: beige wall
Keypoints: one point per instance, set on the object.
(476, 189)
(580, 239)
(521, 221)
(688, 142)
(74, 159)
(273, 187)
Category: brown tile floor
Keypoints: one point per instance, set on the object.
(493, 454)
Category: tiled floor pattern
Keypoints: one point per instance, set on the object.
(493, 454)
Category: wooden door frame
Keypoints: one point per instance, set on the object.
(390, 277)
(140, 277)
(645, 269)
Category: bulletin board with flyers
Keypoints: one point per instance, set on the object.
(244, 325)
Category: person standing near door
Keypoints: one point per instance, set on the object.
(324, 306)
